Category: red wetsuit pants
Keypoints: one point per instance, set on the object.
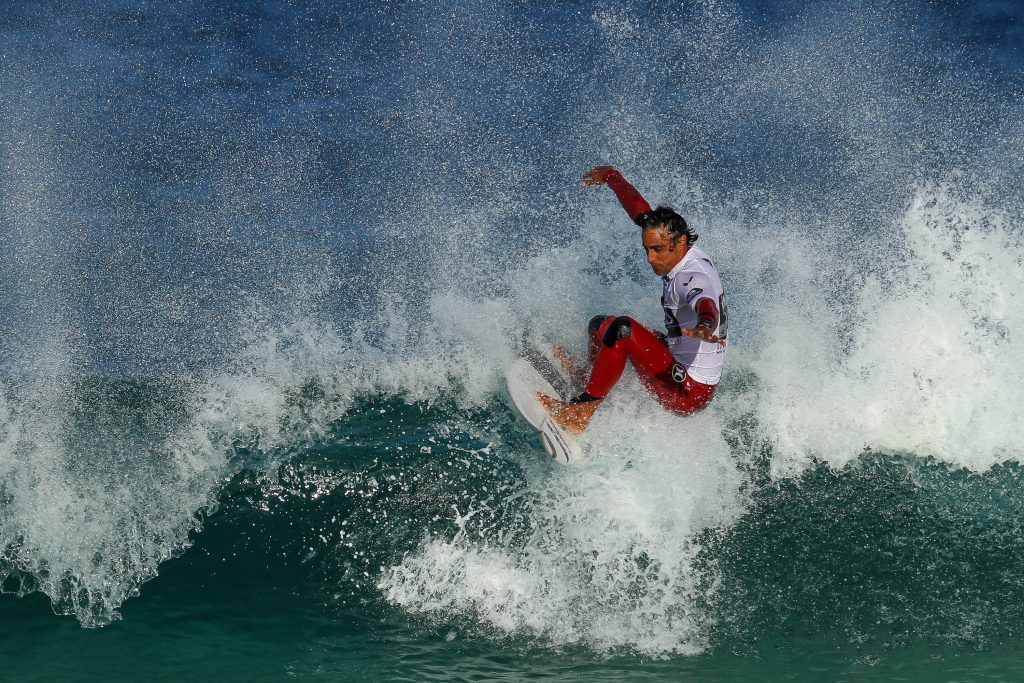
(614, 340)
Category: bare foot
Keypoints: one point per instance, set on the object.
(572, 416)
(576, 373)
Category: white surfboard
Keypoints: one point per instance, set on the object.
(524, 380)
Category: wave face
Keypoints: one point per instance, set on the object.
(267, 265)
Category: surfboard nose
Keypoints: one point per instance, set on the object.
(523, 381)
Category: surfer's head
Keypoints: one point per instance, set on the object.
(666, 238)
(665, 218)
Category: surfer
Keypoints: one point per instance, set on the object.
(681, 368)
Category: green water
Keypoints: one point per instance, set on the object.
(893, 568)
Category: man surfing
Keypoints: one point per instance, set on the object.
(681, 368)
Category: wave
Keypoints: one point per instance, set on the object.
(104, 479)
(872, 304)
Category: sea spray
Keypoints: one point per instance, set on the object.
(97, 493)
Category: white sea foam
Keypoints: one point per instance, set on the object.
(610, 560)
(922, 357)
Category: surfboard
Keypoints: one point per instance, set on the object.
(523, 379)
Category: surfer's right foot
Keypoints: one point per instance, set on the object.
(574, 417)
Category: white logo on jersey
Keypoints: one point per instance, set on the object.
(678, 373)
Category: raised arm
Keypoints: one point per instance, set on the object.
(632, 201)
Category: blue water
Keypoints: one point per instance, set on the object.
(262, 266)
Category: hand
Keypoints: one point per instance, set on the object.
(703, 333)
(596, 176)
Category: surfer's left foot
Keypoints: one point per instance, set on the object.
(572, 416)
(569, 363)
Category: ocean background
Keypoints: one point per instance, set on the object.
(263, 264)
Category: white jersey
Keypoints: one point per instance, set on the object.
(692, 279)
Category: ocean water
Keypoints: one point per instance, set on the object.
(262, 265)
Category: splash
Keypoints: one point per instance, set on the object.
(96, 492)
(609, 560)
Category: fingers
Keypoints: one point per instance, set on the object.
(703, 335)
(596, 176)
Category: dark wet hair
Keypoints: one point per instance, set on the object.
(666, 218)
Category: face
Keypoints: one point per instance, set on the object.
(662, 254)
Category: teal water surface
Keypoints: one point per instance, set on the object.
(887, 568)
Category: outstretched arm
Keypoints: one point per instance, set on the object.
(632, 201)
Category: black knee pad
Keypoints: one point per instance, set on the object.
(620, 328)
(595, 323)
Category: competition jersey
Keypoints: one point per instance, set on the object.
(692, 279)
